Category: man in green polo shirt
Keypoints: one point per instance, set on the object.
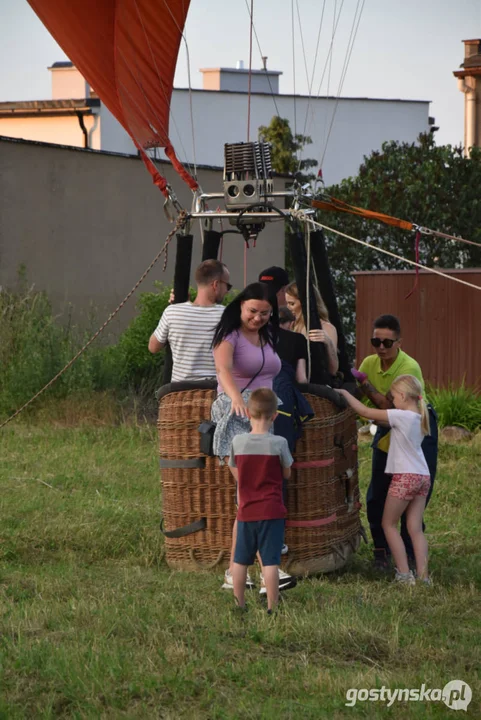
(375, 375)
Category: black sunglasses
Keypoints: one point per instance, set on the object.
(228, 285)
(388, 343)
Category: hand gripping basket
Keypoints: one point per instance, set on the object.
(198, 494)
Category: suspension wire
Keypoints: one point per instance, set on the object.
(314, 223)
(191, 108)
(251, 13)
(191, 103)
(294, 70)
(334, 27)
(308, 301)
(181, 221)
(184, 38)
(329, 55)
(261, 54)
(302, 42)
(311, 81)
(251, 25)
(350, 47)
(299, 153)
(427, 231)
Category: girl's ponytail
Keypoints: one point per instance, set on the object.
(425, 425)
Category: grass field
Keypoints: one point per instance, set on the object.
(95, 625)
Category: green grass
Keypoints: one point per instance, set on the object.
(93, 624)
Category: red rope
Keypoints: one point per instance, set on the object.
(416, 246)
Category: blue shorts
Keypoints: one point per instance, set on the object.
(265, 536)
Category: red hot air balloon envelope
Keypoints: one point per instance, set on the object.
(127, 51)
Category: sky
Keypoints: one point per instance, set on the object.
(403, 49)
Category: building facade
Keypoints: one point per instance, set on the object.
(343, 130)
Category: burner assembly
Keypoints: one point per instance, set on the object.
(248, 183)
(247, 175)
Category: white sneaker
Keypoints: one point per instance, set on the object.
(404, 578)
(286, 582)
(229, 582)
(284, 550)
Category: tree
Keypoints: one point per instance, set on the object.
(435, 187)
(285, 148)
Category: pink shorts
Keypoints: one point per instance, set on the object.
(406, 486)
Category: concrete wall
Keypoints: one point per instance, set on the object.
(87, 224)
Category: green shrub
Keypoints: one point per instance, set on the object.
(141, 370)
(457, 405)
(35, 347)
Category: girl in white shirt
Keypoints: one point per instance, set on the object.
(409, 423)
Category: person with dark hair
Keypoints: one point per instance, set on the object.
(295, 411)
(327, 334)
(245, 359)
(277, 279)
(189, 326)
(376, 374)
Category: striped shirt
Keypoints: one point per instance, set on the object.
(189, 329)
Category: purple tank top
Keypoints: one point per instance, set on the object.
(247, 362)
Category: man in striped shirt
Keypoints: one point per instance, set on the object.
(189, 327)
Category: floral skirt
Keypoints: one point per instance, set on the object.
(406, 486)
(228, 425)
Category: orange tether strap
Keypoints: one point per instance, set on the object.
(340, 206)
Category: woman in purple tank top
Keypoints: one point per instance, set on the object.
(245, 359)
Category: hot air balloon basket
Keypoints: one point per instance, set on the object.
(323, 526)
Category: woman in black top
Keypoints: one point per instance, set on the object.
(292, 346)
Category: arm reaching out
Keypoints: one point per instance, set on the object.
(366, 412)
(224, 359)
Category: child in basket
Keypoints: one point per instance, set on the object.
(259, 461)
(409, 423)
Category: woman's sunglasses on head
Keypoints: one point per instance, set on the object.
(388, 343)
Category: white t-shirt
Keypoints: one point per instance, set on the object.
(189, 329)
(405, 454)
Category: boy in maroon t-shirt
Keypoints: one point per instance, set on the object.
(259, 461)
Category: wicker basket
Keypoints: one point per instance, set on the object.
(323, 526)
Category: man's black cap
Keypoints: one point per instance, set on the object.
(274, 276)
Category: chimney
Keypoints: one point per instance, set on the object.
(237, 79)
(67, 82)
(469, 83)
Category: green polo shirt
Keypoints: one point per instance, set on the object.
(382, 379)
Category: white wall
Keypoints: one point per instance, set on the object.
(360, 126)
(113, 136)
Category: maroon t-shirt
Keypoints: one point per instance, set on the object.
(259, 460)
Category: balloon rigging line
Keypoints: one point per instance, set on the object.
(302, 217)
(350, 47)
(261, 55)
(311, 81)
